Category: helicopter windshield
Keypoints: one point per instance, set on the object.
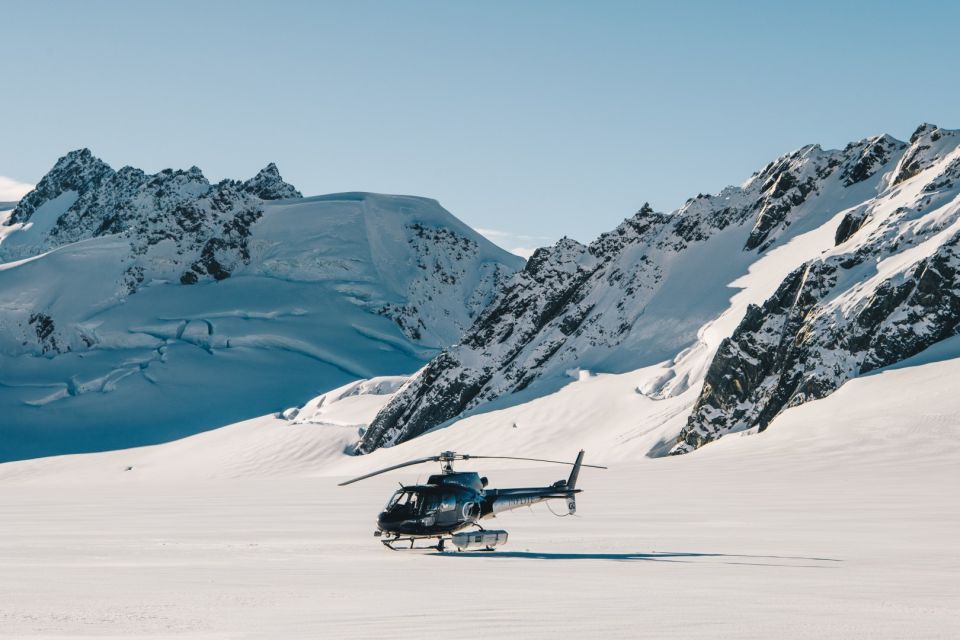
(408, 503)
(403, 501)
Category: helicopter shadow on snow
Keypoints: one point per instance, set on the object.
(656, 556)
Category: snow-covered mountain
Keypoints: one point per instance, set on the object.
(135, 308)
(823, 265)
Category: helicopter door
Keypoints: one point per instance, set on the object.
(447, 512)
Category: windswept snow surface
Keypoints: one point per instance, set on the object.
(839, 522)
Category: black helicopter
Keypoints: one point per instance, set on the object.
(455, 500)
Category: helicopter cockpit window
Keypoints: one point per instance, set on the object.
(431, 504)
(448, 502)
(402, 501)
(394, 499)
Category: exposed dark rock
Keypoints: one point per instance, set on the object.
(849, 225)
(799, 346)
(926, 145)
(875, 154)
(44, 328)
(911, 165)
(446, 388)
(785, 186)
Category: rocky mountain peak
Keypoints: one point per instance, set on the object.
(928, 144)
(178, 225)
(865, 157)
(78, 171)
(564, 254)
(795, 178)
(77, 158)
(269, 185)
(925, 129)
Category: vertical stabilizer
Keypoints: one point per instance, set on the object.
(572, 481)
(572, 484)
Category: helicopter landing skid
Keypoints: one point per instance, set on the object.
(480, 540)
(392, 542)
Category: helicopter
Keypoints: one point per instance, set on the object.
(452, 501)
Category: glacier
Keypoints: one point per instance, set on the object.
(136, 309)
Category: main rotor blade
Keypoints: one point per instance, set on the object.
(569, 464)
(396, 466)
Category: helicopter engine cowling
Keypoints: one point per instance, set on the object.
(486, 539)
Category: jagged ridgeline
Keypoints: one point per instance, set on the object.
(86, 198)
(135, 308)
(662, 288)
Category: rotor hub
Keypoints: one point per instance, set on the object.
(446, 461)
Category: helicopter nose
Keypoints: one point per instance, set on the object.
(385, 522)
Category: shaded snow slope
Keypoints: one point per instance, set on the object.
(890, 412)
(136, 309)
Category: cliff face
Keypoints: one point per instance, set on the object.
(889, 289)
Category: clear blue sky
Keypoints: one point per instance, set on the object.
(537, 119)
